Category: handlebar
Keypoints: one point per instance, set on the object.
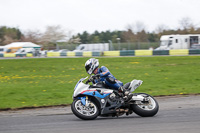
(92, 78)
(87, 82)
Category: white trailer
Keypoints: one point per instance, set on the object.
(97, 47)
(168, 42)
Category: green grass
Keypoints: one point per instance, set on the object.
(50, 81)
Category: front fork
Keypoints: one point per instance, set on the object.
(84, 101)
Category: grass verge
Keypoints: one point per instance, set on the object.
(50, 81)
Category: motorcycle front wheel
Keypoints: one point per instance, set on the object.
(89, 112)
(146, 108)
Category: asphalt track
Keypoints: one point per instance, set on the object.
(176, 115)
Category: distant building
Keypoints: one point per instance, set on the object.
(15, 46)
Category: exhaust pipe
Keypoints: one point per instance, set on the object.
(122, 110)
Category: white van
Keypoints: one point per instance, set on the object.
(25, 51)
(97, 47)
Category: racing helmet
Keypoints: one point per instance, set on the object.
(91, 65)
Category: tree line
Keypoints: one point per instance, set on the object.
(8, 35)
(135, 32)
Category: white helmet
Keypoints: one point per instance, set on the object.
(91, 65)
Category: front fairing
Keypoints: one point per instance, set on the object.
(80, 87)
(85, 89)
(82, 79)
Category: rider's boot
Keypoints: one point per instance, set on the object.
(125, 94)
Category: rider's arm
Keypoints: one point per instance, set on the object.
(104, 71)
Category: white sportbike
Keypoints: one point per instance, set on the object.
(91, 101)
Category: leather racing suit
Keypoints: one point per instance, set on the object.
(108, 78)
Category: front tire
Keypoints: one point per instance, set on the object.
(146, 109)
(86, 113)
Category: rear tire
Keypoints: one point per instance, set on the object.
(146, 109)
(83, 112)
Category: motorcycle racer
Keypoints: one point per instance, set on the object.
(92, 67)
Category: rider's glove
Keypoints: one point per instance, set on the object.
(91, 79)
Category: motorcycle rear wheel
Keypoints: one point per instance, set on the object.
(86, 113)
(146, 109)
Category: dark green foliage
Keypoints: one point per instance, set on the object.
(99, 37)
(8, 35)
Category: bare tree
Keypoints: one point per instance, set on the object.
(140, 26)
(128, 35)
(56, 33)
(137, 27)
(160, 28)
(186, 23)
(135, 32)
(32, 36)
(142, 36)
(9, 39)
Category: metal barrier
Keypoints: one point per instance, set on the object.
(132, 53)
(16, 55)
(114, 53)
(179, 52)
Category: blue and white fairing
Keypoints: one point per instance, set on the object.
(80, 86)
(85, 89)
